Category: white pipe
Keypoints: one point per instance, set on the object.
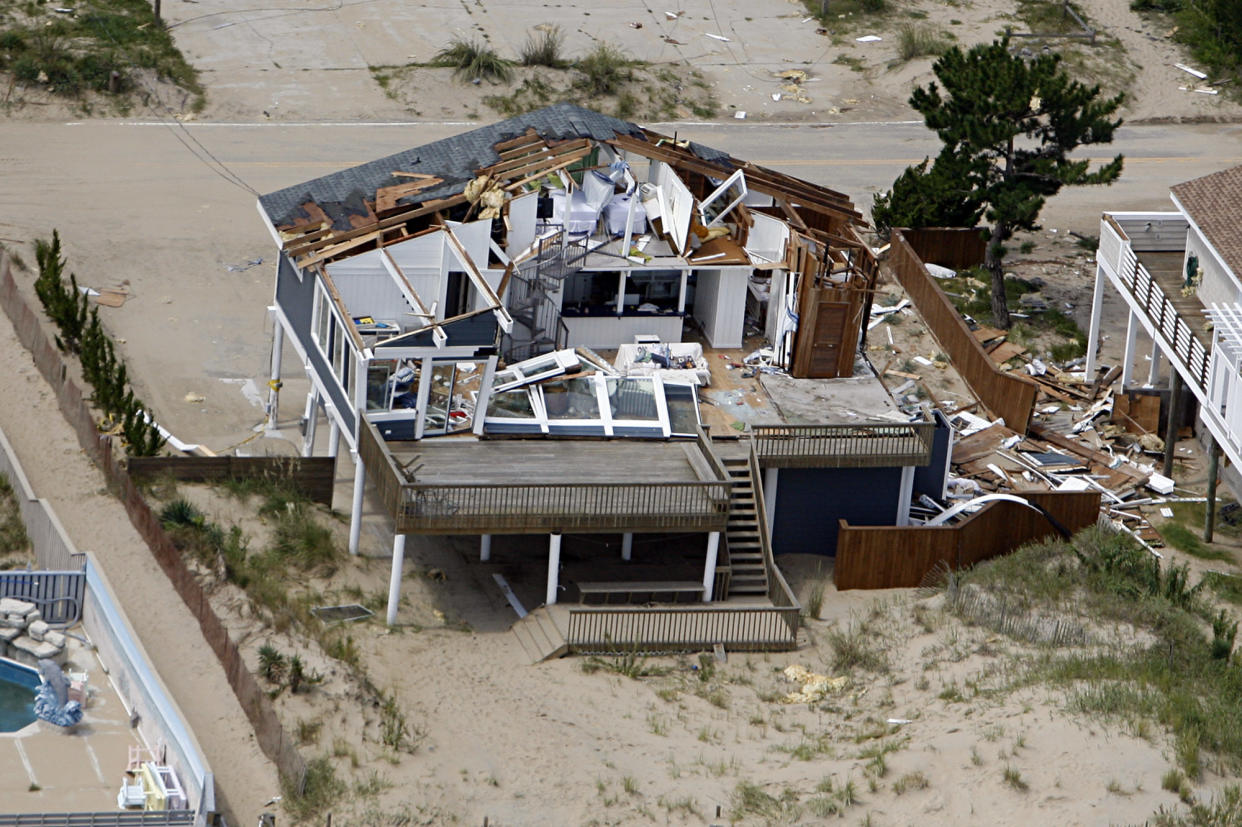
(355, 512)
(1093, 333)
(709, 568)
(273, 385)
(334, 437)
(1153, 370)
(394, 581)
(485, 548)
(627, 546)
(1127, 366)
(554, 566)
(312, 420)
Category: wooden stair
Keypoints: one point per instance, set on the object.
(747, 545)
(539, 635)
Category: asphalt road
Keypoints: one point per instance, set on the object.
(168, 208)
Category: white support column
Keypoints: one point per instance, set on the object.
(312, 420)
(1153, 370)
(355, 512)
(1127, 365)
(273, 385)
(627, 546)
(554, 566)
(905, 495)
(771, 478)
(485, 548)
(394, 580)
(709, 568)
(333, 431)
(1093, 332)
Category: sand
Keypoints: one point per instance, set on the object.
(493, 736)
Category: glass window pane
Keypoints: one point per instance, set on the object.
(632, 398)
(571, 399)
(514, 404)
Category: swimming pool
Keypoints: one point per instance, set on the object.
(17, 693)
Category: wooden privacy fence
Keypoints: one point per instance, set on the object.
(887, 557)
(1008, 395)
(277, 744)
(313, 476)
(57, 594)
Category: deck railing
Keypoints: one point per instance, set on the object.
(873, 445)
(1117, 254)
(516, 508)
(663, 629)
(57, 594)
(778, 589)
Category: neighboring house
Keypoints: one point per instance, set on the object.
(1180, 274)
(447, 303)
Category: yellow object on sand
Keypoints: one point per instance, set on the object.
(815, 687)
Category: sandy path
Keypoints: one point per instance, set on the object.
(62, 474)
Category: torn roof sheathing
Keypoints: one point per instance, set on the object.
(337, 213)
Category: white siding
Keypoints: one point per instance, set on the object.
(720, 305)
(606, 332)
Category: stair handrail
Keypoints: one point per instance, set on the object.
(778, 589)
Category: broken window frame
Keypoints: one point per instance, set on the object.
(738, 179)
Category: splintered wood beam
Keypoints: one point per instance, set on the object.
(299, 250)
(519, 166)
(759, 179)
(480, 283)
(791, 214)
(325, 253)
(386, 197)
(397, 173)
(304, 233)
(537, 174)
(524, 138)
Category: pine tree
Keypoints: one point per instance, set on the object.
(1008, 126)
(921, 197)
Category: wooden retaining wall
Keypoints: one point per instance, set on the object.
(887, 557)
(313, 476)
(1010, 396)
(277, 744)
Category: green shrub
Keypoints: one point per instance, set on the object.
(472, 60)
(544, 48)
(920, 40)
(605, 70)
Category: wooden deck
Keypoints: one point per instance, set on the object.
(1166, 270)
(467, 486)
(449, 461)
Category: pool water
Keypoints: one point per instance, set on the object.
(17, 694)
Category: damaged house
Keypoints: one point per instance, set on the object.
(537, 328)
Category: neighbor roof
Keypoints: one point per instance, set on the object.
(1214, 203)
(452, 159)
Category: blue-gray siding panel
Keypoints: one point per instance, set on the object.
(296, 298)
(929, 479)
(810, 501)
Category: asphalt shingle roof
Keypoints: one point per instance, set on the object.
(452, 159)
(1214, 202)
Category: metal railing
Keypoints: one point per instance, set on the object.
(875, 445)
(656, 630)
(1117, 253)
(57, 594)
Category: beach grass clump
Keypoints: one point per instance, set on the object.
(472, 60)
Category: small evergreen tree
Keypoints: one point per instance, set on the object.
(1008, 126)
(941, 196)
